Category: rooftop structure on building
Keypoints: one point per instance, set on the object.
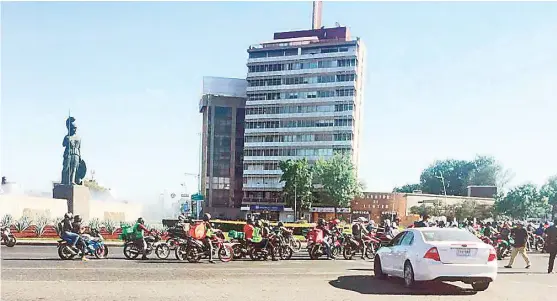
(304, 100)
(222, 105)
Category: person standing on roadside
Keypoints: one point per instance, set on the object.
(520, 238)
(551, 245)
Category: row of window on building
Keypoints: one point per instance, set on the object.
(376, 206)
(301, 80)
(274, 124)
(254, 96)
(299, 109)
(309, 64)
(296, 51)
(293, 152)
(300, 137)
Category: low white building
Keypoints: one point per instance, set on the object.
(417, 199)
(18, 205)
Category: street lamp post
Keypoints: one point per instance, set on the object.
(444, 186)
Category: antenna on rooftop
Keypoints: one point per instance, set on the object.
(316, 20)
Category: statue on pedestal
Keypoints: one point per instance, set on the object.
(74, 168)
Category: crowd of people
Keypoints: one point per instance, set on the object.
(517, 234)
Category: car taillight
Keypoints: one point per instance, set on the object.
(432, 254)
(492, 255)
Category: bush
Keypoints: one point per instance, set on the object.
(40, 225)
(55, 222)
(94, 224)
(7, 220)
(110, 226)
(22, 224)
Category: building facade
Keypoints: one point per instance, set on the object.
(304, 100)
(223, 107)
(379, 205)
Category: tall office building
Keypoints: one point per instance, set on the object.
(304, 100)
(222, 105)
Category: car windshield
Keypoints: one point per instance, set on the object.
(449, 235)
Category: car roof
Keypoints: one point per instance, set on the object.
(436, 229)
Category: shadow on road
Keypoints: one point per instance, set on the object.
(361, 270)
(370, 285)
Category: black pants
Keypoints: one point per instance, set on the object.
(552, 255)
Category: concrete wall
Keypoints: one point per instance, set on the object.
(18, 206)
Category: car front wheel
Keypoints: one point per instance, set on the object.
(377, 269)
(480, 286)
(409, 281)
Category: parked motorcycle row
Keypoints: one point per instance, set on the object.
(186, 247)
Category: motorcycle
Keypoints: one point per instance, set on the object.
(94, 246)
(131, 250)
(503, 248)
(194, 250)
(316, 244)
(7, 237)
(536, 242)
(351, 246)
(292, 241)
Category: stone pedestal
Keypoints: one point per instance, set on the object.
(78, 198)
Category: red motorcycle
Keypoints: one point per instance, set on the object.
(316, 243)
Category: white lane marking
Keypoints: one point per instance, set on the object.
(539, 284)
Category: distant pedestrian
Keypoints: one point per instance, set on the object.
(520, 237)
(551, 245)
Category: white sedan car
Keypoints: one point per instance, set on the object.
(438, 254)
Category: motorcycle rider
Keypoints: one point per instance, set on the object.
(358, 232)
(139, 229)
(66, 232)
(326, 233)
(208, 235)
(78, 229)
(551, 245)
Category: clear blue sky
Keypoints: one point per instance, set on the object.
(443, 80)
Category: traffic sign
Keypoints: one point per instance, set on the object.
(197, 197)
(172, 195)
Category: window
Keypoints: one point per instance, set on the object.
(408, 239)
(449, 235)
(397, 240)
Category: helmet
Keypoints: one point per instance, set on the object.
(321, 222)
(280, 224)
(361, 219)
(336, 221)
(206, 217)
(77, 218)
(68, 215)
(141, 221)
(258, 223)
(249, 220)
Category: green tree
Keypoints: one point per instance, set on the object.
(297, 176)
(455, 174)
(459, 174)
(408, 188)
(522, 202)
(338, 177)
(549, 192)
(420, 210)
(487, 171)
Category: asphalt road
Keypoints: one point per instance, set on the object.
(36, 273)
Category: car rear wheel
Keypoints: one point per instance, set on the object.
(480, 286)
(409, 281)
(377, 269)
